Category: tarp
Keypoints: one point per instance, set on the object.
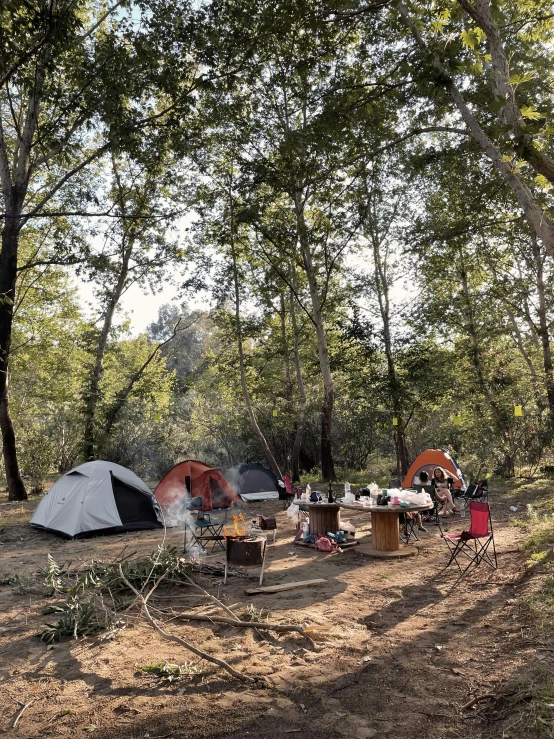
(428, 460)
(97, 497)
(198, 480)
(253, 481)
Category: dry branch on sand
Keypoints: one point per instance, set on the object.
(143, 600)
(262, 626)
(116, 588)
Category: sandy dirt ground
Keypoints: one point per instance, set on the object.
(399, 650)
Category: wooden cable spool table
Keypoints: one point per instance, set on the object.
(324, 517)
(385, 529)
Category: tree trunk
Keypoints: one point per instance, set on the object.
(541, 223)
(476, 355)
(543, 331)
(97, 371)
(246, 395)
(382, 290)
(288, 375)
(508, 464)
(284, 342)
(8, 277)
(301, 419)
(327, 464)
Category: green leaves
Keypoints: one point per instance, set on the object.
(473, 38)
(530, 112)
(519, 79)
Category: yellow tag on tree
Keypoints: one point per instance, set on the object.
(518, 410)
(395, 421)
(218, 419)
(157, 416)
(457, 420)
(275, 413)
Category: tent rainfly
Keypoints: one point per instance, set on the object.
(197, 480)
(97, 498)
(254, 482)
(427, 461)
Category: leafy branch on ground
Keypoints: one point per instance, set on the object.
(101, 597)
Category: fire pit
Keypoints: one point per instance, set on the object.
(243, 551)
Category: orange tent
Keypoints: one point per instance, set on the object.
(198, 480)
(428, 460)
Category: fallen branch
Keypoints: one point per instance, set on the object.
(218, 603)
(478, 699)
(178, 640)
(211, 597)
(20, 714)
(261, 625)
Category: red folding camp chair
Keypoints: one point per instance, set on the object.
(473, 544)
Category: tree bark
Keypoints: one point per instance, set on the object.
(508, 463)
(301, 418)
(481, 12)
(543, 331)
(285, 346)
(382, 290)
(8, 277)
(539, 221)
(327, 464)
(238, 325)
(93, 390)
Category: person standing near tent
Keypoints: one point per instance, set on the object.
(442, 491)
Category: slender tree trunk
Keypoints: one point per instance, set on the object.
(543, 331)
(97, 371)
(8, 277)
(518, 338)
(301, 418)
(123, 395)
(246, 395)
(288, 375)
(382, 289)
(285, 345)
(327, 464)
(471, 328)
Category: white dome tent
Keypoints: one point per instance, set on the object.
(97, 498)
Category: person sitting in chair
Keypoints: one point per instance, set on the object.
(442, 491)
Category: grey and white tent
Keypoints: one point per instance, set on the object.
(97, 498)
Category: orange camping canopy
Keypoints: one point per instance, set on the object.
(199, 480)
(428, 460)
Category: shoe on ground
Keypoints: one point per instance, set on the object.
(422, 528)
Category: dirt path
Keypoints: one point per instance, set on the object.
(400, 651)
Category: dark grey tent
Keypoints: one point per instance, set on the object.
(254, 482)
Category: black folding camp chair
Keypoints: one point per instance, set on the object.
(408, 532)
(204, 533)
(475, 491)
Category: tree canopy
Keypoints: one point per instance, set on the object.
(353, 200)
